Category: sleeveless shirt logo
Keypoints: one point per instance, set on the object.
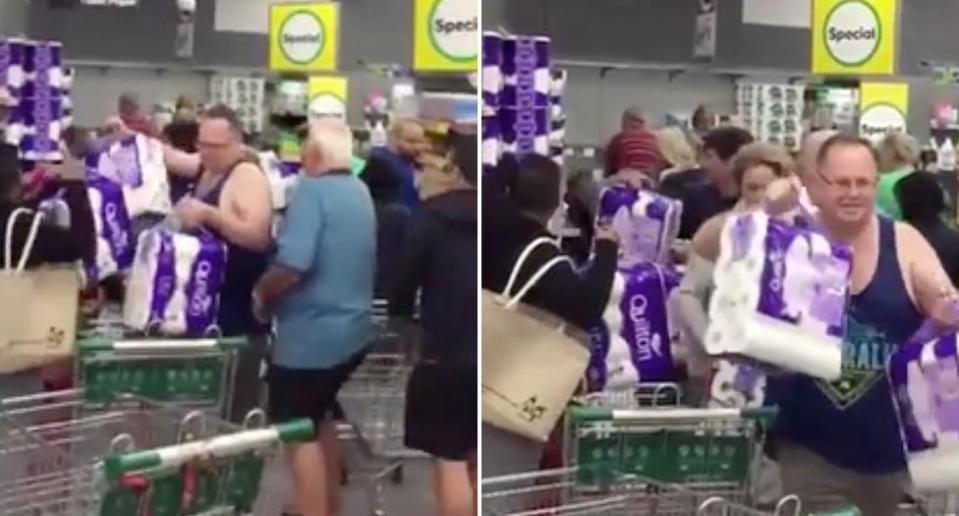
(865, 351)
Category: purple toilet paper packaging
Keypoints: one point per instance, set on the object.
(175, 283)
(491, 143)
(526, 72)
(492, 73)
(925, 385)
(37, 127)
(642, 324)
(12, 73)
(647, 223)
(113, 228)
(524, 131)
(43, 69)
(803, 282)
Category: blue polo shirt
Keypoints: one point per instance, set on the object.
(329, 236)
(404, 170)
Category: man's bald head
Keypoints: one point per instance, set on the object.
(407, 137)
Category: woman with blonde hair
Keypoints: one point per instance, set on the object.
(755, 166)
(676, 151)
(898, 155)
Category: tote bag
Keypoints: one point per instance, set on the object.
(531, 364)
(38, 308)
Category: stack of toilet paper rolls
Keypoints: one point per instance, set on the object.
(646, 223)
(175, 283)
(632, 344)
(780, 297)
(113, 229)
(520, 106)
(925, 384)
(32, 73)
(557, 135)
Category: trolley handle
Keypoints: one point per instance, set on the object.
(149, 345)
(585, 414)
(221, 446)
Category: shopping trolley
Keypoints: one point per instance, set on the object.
(557, 493)
(374, 403)
(195, 373)
(132, 457)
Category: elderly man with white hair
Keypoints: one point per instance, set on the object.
(319, 288)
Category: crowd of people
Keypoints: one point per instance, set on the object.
(403, 230)
(834, 441)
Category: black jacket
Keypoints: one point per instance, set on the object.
(577, 298)
(945, 241)
(440, 258)
(392, 221)
(54, 244)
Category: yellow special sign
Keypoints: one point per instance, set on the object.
(328, 97)
(882, 109)
(445, 35)
(304, 37)
(854, 37)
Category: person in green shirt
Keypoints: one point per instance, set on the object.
(898, 155)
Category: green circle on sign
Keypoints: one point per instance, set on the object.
(879, 34)
(319, 49)
(436, 45)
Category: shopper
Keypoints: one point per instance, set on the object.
(678, 155)
(522, 197)
(392, 221)
(634, 147)
(230, 199)
(440, 262)
(898, 156)
(839, 441)
(922, 200)
(130, 112)
(754, 168)
(714, 190)
(407, 140)
(320, 289)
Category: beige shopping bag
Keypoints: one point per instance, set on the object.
(38, 307)
(531, 363)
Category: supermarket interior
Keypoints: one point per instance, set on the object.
(211, 278)
(747, 209)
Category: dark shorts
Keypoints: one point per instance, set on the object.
(441, 411)
(308, 393)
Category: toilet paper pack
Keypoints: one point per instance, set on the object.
(112, 226)
(647, 223)
(781, 295)
(737, 384)
(526, 72)
(12, 73)
(925, 385)
(491, 73)
(281, 182)
(524, 130)
(490, 144)
(633, 343)
(35, 125)
(136, 163)
(175, 283)
(43, 68)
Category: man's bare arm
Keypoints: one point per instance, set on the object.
(245, 210)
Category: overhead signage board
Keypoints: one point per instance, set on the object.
(445, 35)
(854, 37)
(304, 37)
(883, 108)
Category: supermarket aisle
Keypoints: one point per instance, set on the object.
(413, 496)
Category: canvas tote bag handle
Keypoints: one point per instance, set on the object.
(27, 246)
(507, 294)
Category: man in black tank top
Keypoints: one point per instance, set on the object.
(838, 442)
(231, 200)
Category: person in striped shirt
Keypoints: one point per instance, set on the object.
(634, 147)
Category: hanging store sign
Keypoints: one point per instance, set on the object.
(883, 109)
(304, 37)
(854, 37)
(328, 96)
(445, 35)
(704, 45)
